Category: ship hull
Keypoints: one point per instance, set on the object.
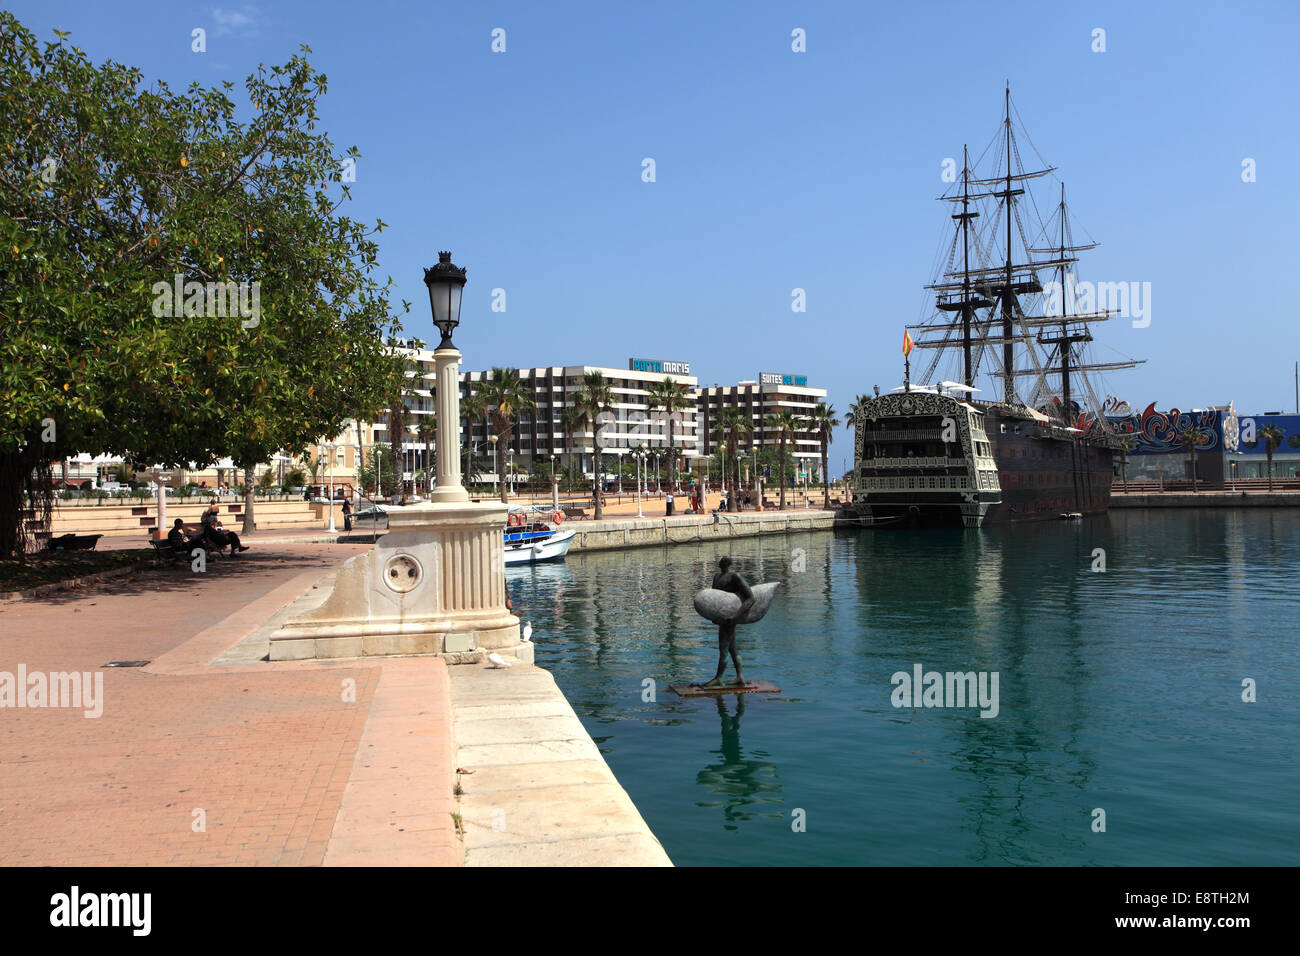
(1003, 466)
(1046, 477)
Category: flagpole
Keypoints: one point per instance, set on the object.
(907, 361)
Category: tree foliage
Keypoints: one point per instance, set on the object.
(109, 190)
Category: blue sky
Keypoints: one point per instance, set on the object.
(777, 170)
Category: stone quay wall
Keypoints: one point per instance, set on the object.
(688, 529)
(1207, 499)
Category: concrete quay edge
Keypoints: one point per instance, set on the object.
(607, 535)
(533, 788)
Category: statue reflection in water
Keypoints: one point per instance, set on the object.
(739, 785)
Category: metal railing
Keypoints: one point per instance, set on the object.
(915, 462)
(903, 434)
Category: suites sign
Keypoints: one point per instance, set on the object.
(777, 378)
(658, 366)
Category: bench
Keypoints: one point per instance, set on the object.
(162, 548)
(73, 542)
(575, 512)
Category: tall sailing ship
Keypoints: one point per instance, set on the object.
(935, 455)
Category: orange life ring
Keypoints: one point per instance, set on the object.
(514, 521)
(557, 517)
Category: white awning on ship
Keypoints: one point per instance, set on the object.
(915, 388)
(958, 387)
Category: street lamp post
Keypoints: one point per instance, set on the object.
(332, 529)
(637, 456)
(494, 439)
(446, 282)
(740, 464)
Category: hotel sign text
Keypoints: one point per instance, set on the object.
(776, 378)
(660, 367)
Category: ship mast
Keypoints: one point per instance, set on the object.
(1008, 352)
(1064, 339)
(1067, 328)
(970, 300)
(980, 283)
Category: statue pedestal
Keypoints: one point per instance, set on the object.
(699, 690)
(434, 584)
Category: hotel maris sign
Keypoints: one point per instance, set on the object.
(658, 366)
(777, 378)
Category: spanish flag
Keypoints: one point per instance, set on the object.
(908, 344)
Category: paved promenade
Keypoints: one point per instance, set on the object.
(234, 762)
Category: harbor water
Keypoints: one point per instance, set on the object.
(1122, 646)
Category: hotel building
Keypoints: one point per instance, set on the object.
(757, 399)
(539, 435)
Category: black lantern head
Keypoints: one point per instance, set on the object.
(445, 283)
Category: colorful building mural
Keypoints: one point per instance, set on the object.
(1160, 433)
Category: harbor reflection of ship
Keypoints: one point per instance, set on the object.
(933, 455)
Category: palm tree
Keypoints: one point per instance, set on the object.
(672, 397)
(570, 422)
(505, 395)
(824, 421)
(473, 409)
(785, 424)
(1126, 445)
(396, 438)
(1189, 439)
(731, 427)
(591, 401)
(1272, 436)
(856, 406)
(426, 428)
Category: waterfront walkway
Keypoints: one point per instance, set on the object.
(208, 755)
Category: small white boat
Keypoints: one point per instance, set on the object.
(533, 535)
(531, 547)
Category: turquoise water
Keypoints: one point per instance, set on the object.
(1119, 690)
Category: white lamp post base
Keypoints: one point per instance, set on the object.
(434, 584)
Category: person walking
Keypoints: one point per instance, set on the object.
(347, 515)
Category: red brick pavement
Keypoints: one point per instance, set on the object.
(269, 753)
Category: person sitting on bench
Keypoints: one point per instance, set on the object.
(218, 535)
(177, 540)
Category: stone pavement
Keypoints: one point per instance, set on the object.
(236, 762)
(535, 789)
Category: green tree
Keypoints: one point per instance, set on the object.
(376, 472)
(570, 422)
(824, 421)
(593, 399)
(672, 398)
(1126, 444)
(1189, 439)
(426, 430)
(1272, 436)
(109, 191)
(472, 410)
(856, 406)
(784, 423)
(731, 427)
(506, 395)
